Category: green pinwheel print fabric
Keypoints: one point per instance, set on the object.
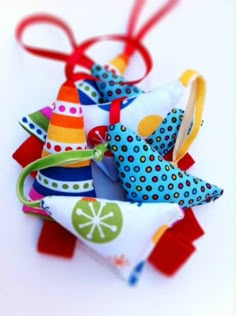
(105, 226)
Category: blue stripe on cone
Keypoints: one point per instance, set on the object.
(68, 174)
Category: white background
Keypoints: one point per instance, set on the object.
(199, 34)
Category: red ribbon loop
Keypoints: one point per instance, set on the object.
(44, 19)
(78, 56)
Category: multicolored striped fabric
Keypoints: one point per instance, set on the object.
(90, 92)
(37, 122)
(65, 132)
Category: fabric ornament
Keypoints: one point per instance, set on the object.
(105, 225)
(146, 177)
(65, 133)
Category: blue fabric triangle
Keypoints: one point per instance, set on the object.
(146, 177)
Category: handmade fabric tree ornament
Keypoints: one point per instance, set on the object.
(105, 225)
(65, 133)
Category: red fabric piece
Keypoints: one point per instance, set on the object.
(115, 109)
(184, 163)
(170, 253)
(168, 156)
(188, 228)
(28, 152)
(56, 241)
(77, 57)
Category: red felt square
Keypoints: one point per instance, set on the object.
(168, 156)
(170, 253)
(28, 152)
(184, 163)
(188, 228)
(56, 241)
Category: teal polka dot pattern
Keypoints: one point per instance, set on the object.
(146, 176)
(88, 92)
(164, 137)
(109, 86)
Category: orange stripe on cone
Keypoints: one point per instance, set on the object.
(67, 121)
(68, 93)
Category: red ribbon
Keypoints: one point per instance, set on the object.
(78, 56)
(160, 14)
(115, 111)
(46, 53)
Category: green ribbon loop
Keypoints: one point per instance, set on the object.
(55, 160)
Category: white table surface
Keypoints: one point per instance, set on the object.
(199, 34)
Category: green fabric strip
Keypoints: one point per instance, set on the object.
(40, 120)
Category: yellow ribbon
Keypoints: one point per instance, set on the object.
(193, 113)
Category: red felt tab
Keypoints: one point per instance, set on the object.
(170, 253)
(184, 163)
(188, 228)
(28, 152)
(168, 156)
(56, 241)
